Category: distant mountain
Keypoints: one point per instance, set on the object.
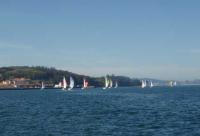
(54, 76)
(154, 80)
(193, 82)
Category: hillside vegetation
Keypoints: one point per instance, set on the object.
(52, 75)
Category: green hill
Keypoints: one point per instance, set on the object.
(53, 76)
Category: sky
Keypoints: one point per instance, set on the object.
(136, 38)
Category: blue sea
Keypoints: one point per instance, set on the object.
(131, 111)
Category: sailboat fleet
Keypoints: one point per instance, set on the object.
(65, 86)
(68, 87)
(145, 83)
(148, 83)
(108, 84)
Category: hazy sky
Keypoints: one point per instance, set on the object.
(137, 38)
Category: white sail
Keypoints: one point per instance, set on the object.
(64, 84)
(151, 84)
(144, 84)
(71, 85)
(171, 83)
(106, 83)
(60, 85)
(116, 84)
(110, 83)
(174, 84)
(43, 86)
(85, 84)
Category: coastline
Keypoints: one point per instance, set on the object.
(2, 89)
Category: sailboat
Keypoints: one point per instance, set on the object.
(64, 84)
(174, 84)
(151, 84)
(116, 84)
(171, 84)
(106, 83)
(43, 86)
(144, 84)
(71, 85)
(85, 84)
(110, 83)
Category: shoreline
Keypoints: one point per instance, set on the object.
(2, 89)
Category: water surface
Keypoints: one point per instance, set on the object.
(159, 111)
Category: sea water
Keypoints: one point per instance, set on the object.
(131, 111)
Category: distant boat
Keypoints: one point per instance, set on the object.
(85, 84)
(144, 83)
(64, 84)
(106, 83)
(58, 85)
(116, 84)
(43, 86)
(110, 83)
(151, 84)
(71, 85)
(172, 83)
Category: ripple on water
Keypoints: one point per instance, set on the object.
(123, 111)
